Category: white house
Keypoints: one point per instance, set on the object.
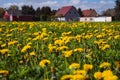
(67, 13)
(95, 19)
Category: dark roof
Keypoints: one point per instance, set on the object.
(63, 11)
(88, 12)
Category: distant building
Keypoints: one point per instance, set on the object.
(16, 15)
(96, 19)
(6, 15)
(67, 13)
(89, 13)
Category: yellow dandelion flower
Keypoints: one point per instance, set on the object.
(21, 61)
(99, 36)
(117, 64)
(32, 53)
(3, 45)
(98, 75)
(66, 77)
(67, 53)
(59, 42)
(78, 50)
(4, 72)
(63, 48)
(46, 79)
(44, 29)
(88, 67)
(105, 64)
(29, 43)
(78, 37)
(51, 47)
(78, 77)
(111, 78)
(81, 72)
(18, 45)
(44, 62)
(25, 48)
(117, 37)
(107, 73)
(12, 42)
(0, 29)
(106, 46)
(3, 51)
(8, 54)
(74, 66)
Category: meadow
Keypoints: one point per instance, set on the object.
(61, 50)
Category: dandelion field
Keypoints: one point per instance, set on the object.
(66, 51)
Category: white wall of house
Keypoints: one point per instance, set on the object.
(95, 19)
(61, 19)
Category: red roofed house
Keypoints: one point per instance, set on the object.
(6, 15)
(89, 13)
(16, 16)
(67, 13)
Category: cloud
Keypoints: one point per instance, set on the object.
(7, 5)
(98, 5)
(75, 1)
(31, 2)
(103, 2)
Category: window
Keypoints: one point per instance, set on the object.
(91, 19)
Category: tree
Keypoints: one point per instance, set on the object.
(109, 12)
(25, 10)
(53, 12)
(13, 9)
(28, 10)
(46, 10)
(45, 13)
(117, 10)
(52, 15)
(2, 11)
(80, 12)
(31, 11)
(38, 12)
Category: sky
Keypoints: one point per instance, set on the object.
(98, 5)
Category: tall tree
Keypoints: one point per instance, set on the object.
(25, 9)
(38, 12)
(80, 12)
(109, 12)
(45, 13)
(117, 10)
(2, 11)
(13, 9)
(46, 10)
(28, 10)
(52, 15)
(32, 11)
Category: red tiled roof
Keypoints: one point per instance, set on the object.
(88, 13)
(63, 10)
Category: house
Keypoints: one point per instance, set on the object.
(16, 15)
(89, 13)
(96, 19)
(67, 13)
